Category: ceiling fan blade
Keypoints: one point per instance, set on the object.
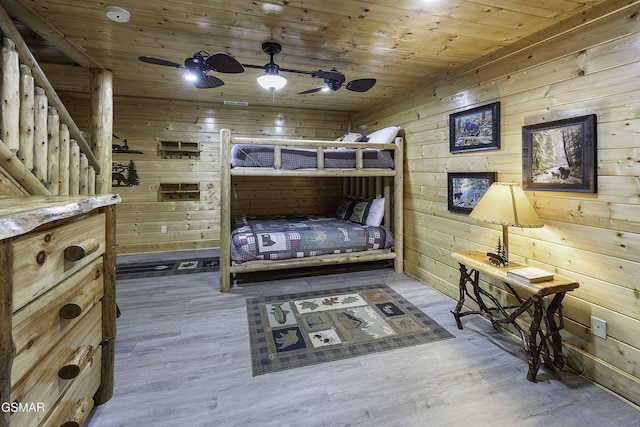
(360, 85)
(318, 89)
(223, 63)
(158, 61)
(208, 82)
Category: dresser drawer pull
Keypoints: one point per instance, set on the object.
(78, 359)
(80, 414)
(79, 251)
(75, 308)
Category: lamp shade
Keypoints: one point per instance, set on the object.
(506, 204)
(272, 81)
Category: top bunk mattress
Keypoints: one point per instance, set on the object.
(261, 156)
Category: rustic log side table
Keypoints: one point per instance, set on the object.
(540, 341)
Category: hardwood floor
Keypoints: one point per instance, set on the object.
(182, 359)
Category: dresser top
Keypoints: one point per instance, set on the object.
(20, 215)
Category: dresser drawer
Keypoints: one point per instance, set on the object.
(43, 384)
(39, 325)
(77, 401)
(39, 258)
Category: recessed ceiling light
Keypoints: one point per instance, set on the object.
(117, 14)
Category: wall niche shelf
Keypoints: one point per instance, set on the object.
(179, 192)
(179, 150)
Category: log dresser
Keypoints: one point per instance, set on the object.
(57, 308)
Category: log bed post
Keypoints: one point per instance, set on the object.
(398, 214)
(225, 210)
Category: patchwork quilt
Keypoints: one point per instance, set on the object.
(284, 237)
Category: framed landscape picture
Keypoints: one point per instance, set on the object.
(475, 129)
(465, 189)
(560, 155)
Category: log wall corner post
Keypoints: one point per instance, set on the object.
(102, 125)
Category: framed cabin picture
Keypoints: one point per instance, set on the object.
(465, 189)
(560, 155)
(475, 129)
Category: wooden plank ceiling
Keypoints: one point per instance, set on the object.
(400, 43)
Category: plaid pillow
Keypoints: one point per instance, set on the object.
(360, 211)
(345, 207)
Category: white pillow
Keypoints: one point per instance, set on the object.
(376, 212)
(384, 136)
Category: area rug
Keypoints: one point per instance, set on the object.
(164, 268)
(289, 331)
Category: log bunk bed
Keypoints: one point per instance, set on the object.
(362, 179)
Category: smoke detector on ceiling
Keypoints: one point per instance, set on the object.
(117, 14)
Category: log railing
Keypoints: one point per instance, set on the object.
(36, 147)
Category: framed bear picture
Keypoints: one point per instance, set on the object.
(560, 155)
(475, 129)
(465, 189)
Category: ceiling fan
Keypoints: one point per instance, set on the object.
(199, 65)
(333, 79)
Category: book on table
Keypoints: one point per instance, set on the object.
(530, 274)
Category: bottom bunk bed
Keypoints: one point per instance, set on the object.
(263, 243)
(275, 242)
(285, 237)
(367, 225)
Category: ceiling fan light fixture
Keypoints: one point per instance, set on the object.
(190, 76)
(272, 81)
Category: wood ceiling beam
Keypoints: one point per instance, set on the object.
(40, 25)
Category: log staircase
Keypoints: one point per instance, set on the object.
(42, 151)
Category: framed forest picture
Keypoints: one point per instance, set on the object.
(560, 155)
(465, 189)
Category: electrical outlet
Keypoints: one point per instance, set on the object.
(598, 327)
(163, 229)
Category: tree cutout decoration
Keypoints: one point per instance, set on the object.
(124, 175)
(132, 175)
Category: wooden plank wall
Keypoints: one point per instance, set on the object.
(195, 224)
(592, 69)
(285, 196)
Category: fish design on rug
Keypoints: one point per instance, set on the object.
(279, 314)
(287, 339)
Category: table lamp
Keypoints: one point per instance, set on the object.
(506, 204)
